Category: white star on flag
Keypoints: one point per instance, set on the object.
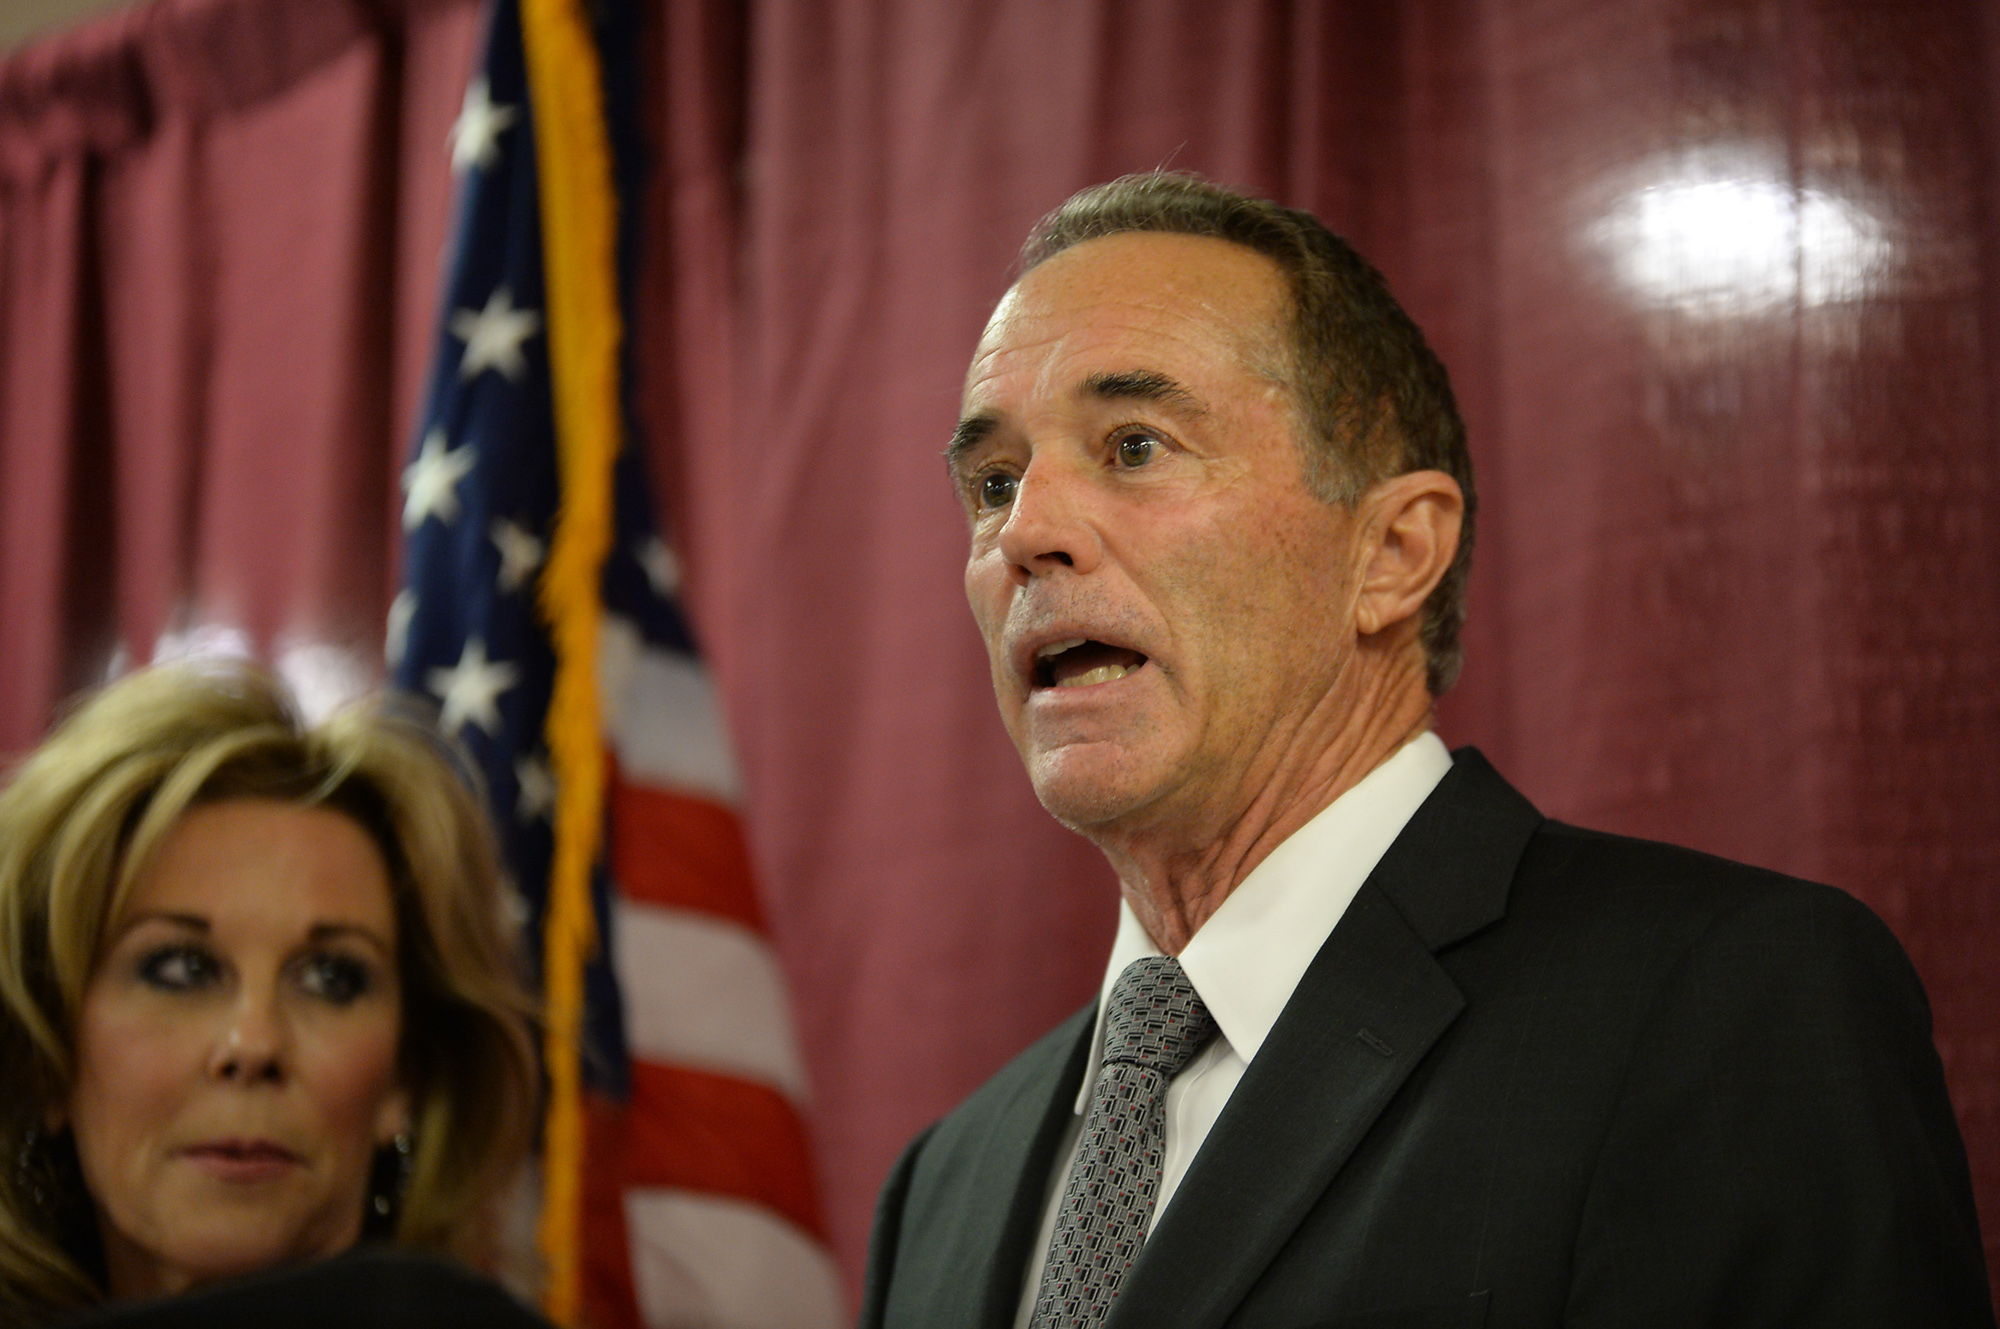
(493, 335)
(431, 481)
(520, 553)
(471, 689)
(662, 565)
(475, 135)
(538, 789)
(396, 640)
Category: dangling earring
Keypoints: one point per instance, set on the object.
(49, 1175)
(26, 1178)
(389, 1181)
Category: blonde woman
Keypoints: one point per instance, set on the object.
(257, 998)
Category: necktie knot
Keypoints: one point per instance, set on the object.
(1155, 1018)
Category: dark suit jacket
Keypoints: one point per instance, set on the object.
(1537, 1076)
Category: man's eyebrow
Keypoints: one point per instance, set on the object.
(1145, 385)
(1142, 385)
(971, 432)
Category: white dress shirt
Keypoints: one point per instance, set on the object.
(1248, 957)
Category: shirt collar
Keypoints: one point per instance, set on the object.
(1247, 959)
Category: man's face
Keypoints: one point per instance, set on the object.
(1168, 611)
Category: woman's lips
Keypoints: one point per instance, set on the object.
(241, 1160)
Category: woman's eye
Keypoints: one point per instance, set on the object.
(1137, 449)
(336, 978)
(178, 968)
(996, 489)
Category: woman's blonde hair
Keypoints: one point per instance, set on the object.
(78, 825)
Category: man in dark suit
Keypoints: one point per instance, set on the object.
(1378, 1044)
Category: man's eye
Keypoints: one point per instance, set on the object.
(335, 978)
(996, 489)
(178, 968)
(1136, 449)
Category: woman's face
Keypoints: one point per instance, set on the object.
(236, 1053)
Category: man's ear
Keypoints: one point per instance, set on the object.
(1411, 523)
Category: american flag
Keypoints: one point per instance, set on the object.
(699, 1207)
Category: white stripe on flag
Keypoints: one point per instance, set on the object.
(705, 993)
(720, 1263)
(663, 717)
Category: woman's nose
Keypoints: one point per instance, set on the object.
(252, 1044)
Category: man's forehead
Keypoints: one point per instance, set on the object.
(1137, 294)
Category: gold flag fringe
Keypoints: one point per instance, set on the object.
(579, 212)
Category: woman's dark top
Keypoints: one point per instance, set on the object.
(371, 1286)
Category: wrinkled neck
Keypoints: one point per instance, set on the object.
(1176, 873)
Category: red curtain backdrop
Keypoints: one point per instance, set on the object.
(220, 225)
(1718, 282)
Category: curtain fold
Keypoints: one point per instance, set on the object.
(43, 280)
(219, 222)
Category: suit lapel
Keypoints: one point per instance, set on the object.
(980, 1185)
(1373, 1003)
(1368, 1010)
(1027, 1158)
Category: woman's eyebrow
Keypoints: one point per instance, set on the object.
(193, 922)
(333, 931)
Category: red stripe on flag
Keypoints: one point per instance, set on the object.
(686, 853)
(704, 1132)
(609, 1297)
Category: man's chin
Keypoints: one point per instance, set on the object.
(1091, 791)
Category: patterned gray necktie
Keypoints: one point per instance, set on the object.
(1153, 1025)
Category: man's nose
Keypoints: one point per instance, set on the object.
(254, 1042)
(1048, 524)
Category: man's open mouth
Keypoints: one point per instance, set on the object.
(1080, 662)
